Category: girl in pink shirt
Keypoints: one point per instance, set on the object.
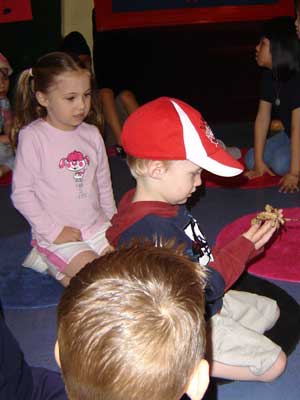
(61, 181)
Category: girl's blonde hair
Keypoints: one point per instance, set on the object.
(40, 78)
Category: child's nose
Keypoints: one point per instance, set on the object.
(81, 103)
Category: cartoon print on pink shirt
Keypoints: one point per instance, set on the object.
(77, 163)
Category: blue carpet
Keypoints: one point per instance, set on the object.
(22, 287)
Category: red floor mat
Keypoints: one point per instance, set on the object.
(281, 259)
(240, 181)
(6, 179)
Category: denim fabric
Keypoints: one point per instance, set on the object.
(6, 155)
(277, 154)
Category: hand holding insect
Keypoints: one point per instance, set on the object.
(270, 214)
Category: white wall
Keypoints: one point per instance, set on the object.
(77, 16)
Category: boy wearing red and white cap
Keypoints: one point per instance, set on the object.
(168, 143)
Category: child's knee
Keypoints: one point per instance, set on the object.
(276, 369)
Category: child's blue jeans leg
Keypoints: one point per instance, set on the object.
(277, 154)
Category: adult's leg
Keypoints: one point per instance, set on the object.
(110, 113)
(273, 145)
(129, 101)
(281, 158)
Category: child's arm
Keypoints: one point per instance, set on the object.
(7, 116)
(68, 234)
(261, 127)
(231, 259)
(104, 181)
(289, 182)
(26, 189)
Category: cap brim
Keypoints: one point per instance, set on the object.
(220, 163)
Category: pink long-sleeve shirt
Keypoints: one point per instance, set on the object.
(62, 178)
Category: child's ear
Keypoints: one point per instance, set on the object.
(41, 99)
(56, 354)
(156, 169)
(199, 381)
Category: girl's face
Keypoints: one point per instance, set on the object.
(68, 101)
(263, 53)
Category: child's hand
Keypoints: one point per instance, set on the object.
(68, 234)
(289, 184)
(260, 234)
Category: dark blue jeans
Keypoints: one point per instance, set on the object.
(277, 154)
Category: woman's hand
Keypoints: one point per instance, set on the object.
(289, 183)
(259, 170)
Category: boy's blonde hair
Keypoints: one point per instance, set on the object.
(138, 166)
(131, 325)
(40, 78)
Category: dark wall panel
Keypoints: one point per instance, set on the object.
(211, 66)
(22, 42)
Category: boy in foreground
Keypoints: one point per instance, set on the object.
(168, 144)
(131, 326)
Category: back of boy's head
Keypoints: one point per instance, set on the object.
(284, 46)
(131, 325)
(170, 129)
(40, 78)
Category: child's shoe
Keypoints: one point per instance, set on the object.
(35, 261)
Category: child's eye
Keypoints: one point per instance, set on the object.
(70, 98)
(88, 94)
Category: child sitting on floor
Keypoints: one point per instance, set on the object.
(6, 152)
(168, 143)
(61, 181)
(131, 326)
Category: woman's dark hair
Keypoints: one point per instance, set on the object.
(75, 43)
(284, 46)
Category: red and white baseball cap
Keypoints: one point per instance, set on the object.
(170, 129)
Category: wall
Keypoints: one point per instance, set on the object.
(211, 66)
(23, 42)
(77, 16)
